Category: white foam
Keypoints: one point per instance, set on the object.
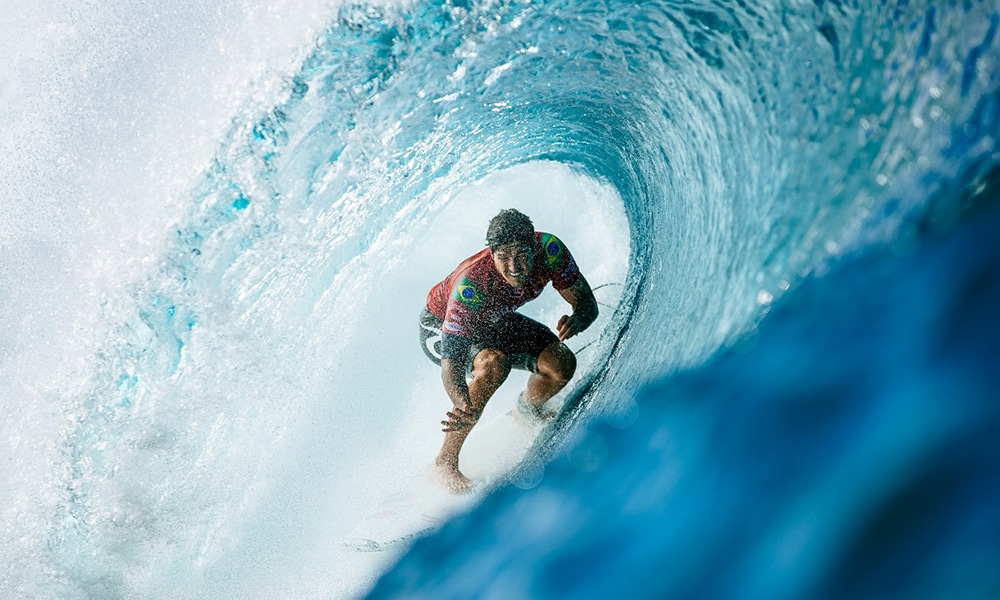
(110, 113)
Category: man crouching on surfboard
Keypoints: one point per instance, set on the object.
(470, 325)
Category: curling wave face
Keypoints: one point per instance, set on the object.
(747, 145)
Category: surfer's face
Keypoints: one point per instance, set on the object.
(514, 262)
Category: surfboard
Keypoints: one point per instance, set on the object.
(420, 506)
(417, 508)
(497, 447)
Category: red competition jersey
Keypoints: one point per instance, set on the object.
(476, 294)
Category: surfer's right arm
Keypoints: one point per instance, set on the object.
(455, 348)
(456, 343)
(463, 416)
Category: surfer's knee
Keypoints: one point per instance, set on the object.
(558, 362)
(491, 362)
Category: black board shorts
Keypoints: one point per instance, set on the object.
(520, 338)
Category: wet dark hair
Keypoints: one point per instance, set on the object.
(510, 225)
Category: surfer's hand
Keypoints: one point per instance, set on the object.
(459, 418)
(569, 325)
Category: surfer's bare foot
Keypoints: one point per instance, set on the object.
(450, 477)
(532, 413)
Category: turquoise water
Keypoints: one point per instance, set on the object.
(256, 384)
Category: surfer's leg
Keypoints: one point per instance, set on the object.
(490, 369)
(556, 366)
(533, 347)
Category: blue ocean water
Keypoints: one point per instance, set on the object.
(791, 396)
(852, 454)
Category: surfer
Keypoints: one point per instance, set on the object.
(470, 326)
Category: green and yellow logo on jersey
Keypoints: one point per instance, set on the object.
(467, 294)
(553, 250)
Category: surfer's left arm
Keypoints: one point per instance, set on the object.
(581, 298)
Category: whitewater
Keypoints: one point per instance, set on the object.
(219, 220)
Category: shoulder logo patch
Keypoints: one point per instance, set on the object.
(552, 248)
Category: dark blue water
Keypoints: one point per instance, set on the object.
(853, 453)
(848, 447)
